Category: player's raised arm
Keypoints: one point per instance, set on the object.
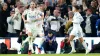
(23, 16)
(42, 16)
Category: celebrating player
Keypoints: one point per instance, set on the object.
(77, 30)
(33, 24)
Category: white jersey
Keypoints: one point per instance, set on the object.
(77, 30)
(31, 15)
(40, 14)
(77, 19)
(33, 24)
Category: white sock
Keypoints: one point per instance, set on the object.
(19, 49)
(72, 45)
(41, 42)
(32, 48)
(29, 46)
(26, 40)
(85, 46)
(31, 43)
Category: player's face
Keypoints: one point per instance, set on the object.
(32, 5)
(56, 13)
(21, 9)
(70, 14)
(88, 12)
(74, 9)
(12, 13)
(50, 35)
(5, 6)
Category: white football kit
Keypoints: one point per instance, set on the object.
(77, 30)
(34, 26)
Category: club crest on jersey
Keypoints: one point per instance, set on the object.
(32, 17)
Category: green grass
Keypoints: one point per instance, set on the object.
(95, 54)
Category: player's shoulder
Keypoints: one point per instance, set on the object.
(51, 17)
(35, 9)
(9, 17)
(27, 10)
(77, 14)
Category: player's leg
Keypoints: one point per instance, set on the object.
(31, 40)
(41, 35)
(84, 44)
(27, 29)
(31, 44)
(71, 41)
(82, 41)
(42, 39)
(26, 40)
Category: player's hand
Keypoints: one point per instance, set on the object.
(50, 41)
(20, 33)
(38, 25)
(25, 21)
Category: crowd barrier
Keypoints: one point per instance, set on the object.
(12, 42)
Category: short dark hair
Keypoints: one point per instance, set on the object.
(50, 32)
(77, 7)
(12, 10)
(89, 10)
(70, 6)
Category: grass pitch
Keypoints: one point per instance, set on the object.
(93, 54)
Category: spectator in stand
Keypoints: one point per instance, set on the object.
(68, 2)
(48, 7)
(18, 5)
(88, 2)
(99, 10)
(26, 2)
(69, 8)
(54, 22)
(2, 1)
(0, 5)
(64, 12)
(3, 20)
(63, 8)
(50, 43)
(10, 5)
(18, 22)
(50, 2)
(99, 7)
(90, 20)
(10, 20)
(69, 23)
(93, 7)
(46, 24)
(98, 27)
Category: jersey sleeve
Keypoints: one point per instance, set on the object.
(41, 13)
(25, 12)
(77, 18)
(81, 18)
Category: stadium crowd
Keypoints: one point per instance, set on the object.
(58, 16)
(59, 9)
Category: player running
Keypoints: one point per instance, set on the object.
(77, 30)
(33, 24)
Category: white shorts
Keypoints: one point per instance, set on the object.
(34, 29)
(77, 32)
